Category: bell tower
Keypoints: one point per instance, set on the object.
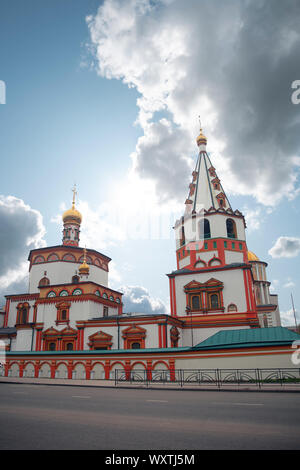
(72, 221)
(209, 232)
(212, 287)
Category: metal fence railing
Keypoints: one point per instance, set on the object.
(211, 378)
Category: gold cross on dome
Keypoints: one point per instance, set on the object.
(199, 121)
(74, 193)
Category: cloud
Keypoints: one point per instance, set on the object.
(233, 63)
(285, 247)
(289, 284)
(22, 230)
(288, 318)
(137, 299)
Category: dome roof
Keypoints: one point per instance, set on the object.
(72, 214)
(84, 267)
(252, 256)
(201, 139)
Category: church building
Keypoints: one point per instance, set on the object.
(70, 320)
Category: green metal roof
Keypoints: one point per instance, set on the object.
(249, 337)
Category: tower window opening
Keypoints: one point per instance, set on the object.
(24, 316)
(136, 345)
(206, 229)
(214, 301)
(231, 228)
(196, 302)
(52, 346)
(182, 237)
(69, 347)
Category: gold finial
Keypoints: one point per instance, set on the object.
(72, 215)
(74, 195)
(84, 267)
(201, 139)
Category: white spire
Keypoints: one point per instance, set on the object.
(206, 191)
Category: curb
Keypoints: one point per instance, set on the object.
(145, 387)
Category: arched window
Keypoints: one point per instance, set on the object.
(44, 282)
(232, 308)
(182, 237)
(69, 347)
(135, 346)
(64, 314)
(206, 229)
(75, 279)
(24, 316)
(196, 302)
(52, 346)
(214, 301)
(231, 228)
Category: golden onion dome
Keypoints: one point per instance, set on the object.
(201, 139)
(84, 267)
(252, 256)
(72, 214)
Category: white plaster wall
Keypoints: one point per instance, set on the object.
(184, 262)
(236, 362)
(61, 272)
(233, 257)
(24, 338)
(233, 292)
(151, 340)
(193, 336)
(47, 313)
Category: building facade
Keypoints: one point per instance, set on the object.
(70, 309)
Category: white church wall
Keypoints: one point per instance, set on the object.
(24, 339)
(233, 257)
(233, 292)
(61, 272)
(184, 262)
(234, 361)
(193, 336)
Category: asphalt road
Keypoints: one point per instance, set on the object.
(58, 417)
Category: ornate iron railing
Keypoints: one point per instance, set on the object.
(211, 378)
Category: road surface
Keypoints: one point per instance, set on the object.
(65, 417)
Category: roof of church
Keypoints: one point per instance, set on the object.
(249, 337)
(206, 189)
(209, 269)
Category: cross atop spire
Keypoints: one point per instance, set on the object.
(74, 195)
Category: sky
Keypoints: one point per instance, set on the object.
(107, 94)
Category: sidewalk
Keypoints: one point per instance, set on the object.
(152, 386)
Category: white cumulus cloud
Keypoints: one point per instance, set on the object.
(22, 230)
(285, 247)
(233, 63)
